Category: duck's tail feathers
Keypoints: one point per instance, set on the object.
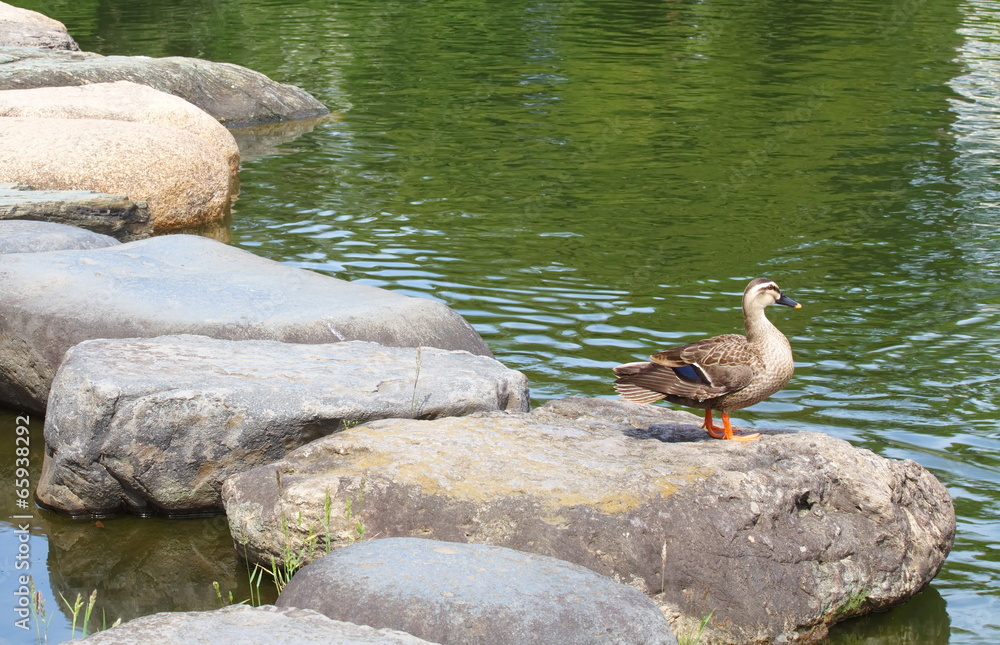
(627, 386)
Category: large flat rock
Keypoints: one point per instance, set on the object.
(775, 539)
(108, 215)
(266, 625)
(155, 425)
(184, 284)
(470, 594)
(234, 95)
(21, 236)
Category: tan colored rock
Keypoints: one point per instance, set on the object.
(10, 13)
(121, 101)
(26, 28)
(184, 179)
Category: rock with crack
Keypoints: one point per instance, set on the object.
(265, 625)
(775, 540)
(155, 425)
(464, 594)
(184, 284)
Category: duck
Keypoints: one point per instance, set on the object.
(723, 373)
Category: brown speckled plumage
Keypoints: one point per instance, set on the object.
(723, 373)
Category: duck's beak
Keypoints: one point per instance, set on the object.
(788, 302)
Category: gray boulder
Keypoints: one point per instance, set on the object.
(265, 625)
(465, 594)
(20, 236)
(232, 94)
(184, 284)
(144, 425)
(775, 539)
(113, 215)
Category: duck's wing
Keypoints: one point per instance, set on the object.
(699, 371)
(650, 382)
(712, 367)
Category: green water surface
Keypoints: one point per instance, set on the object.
(588, 181)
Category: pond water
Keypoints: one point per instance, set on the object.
(588, 181)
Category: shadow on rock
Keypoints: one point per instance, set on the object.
(688, 433)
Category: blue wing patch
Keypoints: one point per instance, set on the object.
(688, 373)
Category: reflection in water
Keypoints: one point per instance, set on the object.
(216, 230)
(267, 139)
(156, 564)
(921, 621)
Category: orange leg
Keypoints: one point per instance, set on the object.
(712, 428)
(726, 430)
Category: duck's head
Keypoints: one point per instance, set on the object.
(762, 292)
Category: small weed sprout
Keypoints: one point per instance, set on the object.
(218, 594)
(694, 639)
(359, 527)
(74, 610)
(292, 559)
(104, 621)
(327, 518)
(76, 606)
